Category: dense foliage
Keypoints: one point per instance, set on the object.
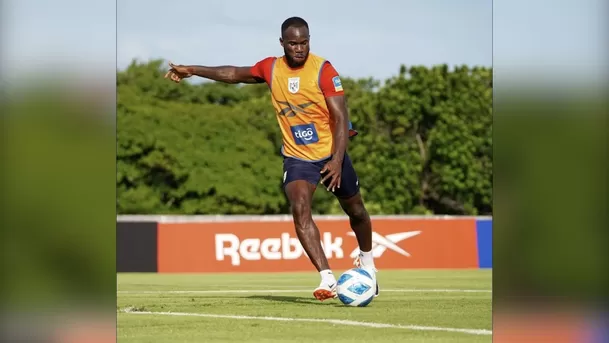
(424, 146)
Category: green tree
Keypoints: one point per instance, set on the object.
(212, 148)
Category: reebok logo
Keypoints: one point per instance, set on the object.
(229, 246)
(270, 243)
(290, 110)
(281, 248)
(381, 243)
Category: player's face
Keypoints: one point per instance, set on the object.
(295, 42)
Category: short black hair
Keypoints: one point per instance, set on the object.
(293, 22)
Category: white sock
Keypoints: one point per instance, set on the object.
(327, 276)
(366, 259)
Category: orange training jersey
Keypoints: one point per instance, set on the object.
(300, 106)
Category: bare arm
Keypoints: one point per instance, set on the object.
(338, 112)
(226, 74)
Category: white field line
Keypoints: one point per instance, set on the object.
(313, 320)
(226, 291)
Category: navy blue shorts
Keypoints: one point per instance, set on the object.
(294, 169)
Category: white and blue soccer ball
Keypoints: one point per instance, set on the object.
(356, 287)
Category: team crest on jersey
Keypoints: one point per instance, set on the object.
(293, 84)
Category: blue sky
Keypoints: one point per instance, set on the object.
(557, 39)
(360, 38)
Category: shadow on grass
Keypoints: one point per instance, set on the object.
(296, 300)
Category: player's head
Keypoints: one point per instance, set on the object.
(295, 40)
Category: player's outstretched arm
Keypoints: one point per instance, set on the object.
(226, 74)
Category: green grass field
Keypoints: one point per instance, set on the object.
(414, 306)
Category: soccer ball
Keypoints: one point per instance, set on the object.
(355, 287)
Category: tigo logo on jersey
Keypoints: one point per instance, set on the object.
(304, 134)
(338, 85)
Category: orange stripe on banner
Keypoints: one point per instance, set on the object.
(274, 247)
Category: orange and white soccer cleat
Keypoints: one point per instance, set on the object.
(325, 291)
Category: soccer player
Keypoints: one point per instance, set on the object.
(311, 111)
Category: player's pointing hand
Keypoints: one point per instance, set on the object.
(178, 72)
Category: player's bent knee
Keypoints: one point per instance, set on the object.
(358, 212)
(355, 209)
(301, 211)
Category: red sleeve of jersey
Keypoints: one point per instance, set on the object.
(263, 69)
(329, 81)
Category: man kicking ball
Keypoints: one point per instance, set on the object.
(312, 114)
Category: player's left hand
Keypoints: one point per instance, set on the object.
(333, 170)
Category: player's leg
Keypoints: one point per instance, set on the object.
(359, 219)
(300, 195)
(351, 201)
(300, 180)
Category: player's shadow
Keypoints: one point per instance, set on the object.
(292, 299)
